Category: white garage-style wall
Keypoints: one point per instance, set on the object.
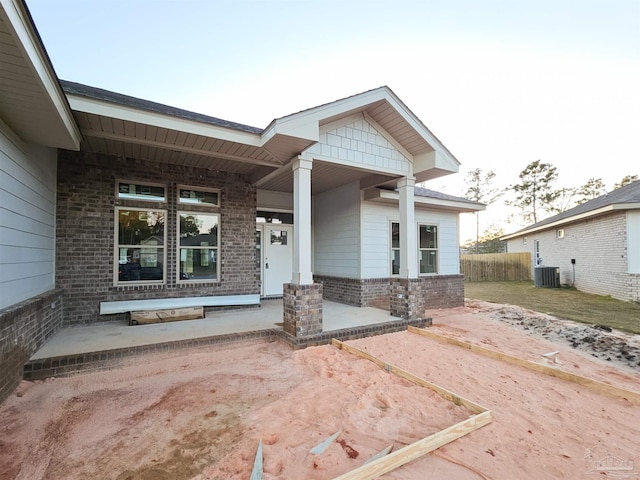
(27, 218)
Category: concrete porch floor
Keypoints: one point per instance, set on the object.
(113, 336)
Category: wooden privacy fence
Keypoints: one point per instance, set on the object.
(496, 267)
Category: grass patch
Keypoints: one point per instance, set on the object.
(565, 303)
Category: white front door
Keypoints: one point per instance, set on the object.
(277, 263)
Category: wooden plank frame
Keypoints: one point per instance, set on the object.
(406, 454)
(595, 385)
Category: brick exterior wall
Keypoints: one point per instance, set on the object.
(302, 309)
(411, 297)
(86, 228)
(634, 287)
(599, 246)
(24, 328)
(440, 291)
(353, 291)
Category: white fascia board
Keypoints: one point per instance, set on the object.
(393, 197)
(121, 112)
(306, 130)
(436, 159)
(17, 19)
(418, 126)
(573, 219)
(308, 121)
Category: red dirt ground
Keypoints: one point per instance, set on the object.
(200, 415)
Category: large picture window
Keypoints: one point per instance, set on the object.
(140, 250)
(428, 248)
(198, 251)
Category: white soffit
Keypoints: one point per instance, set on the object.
(31, 100)
(135, 115)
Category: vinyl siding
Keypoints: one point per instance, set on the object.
(27, 219)
(336, 229)
(376, 247)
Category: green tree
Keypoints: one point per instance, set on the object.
(594, 188)
(489, 241)
(535, 193)
(565, 199)
(480, 189)
(627, 179)
(189, 226)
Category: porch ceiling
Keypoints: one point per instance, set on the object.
(324, 176)
(114, 136)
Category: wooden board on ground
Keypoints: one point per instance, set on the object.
(411, 452)
(159, 316)
(595, 385)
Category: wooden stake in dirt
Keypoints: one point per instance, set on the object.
(595, 385)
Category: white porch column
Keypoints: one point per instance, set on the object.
(302, 222)
(408, 233)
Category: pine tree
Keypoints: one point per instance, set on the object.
(535, 193)
(479, 190)
(627, 179)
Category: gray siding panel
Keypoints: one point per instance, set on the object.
(27, 219)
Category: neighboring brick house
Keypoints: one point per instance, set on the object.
(107, 199)
(596, 245)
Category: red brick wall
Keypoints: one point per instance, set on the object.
(85, 232)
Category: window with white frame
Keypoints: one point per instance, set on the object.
(198, 196)
(395, 248)
(198, 246)
(141, 191)
(140, 249)
(428, 248)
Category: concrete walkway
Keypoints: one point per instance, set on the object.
(79, 340)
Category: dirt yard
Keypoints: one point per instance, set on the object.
(200, 415)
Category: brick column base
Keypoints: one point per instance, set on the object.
(302, 309)
(407, 301)
(411, 297)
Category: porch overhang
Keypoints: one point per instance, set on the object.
(31, 100)
(392, 197)
(125, 126)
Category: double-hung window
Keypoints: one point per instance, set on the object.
(198, 235)
(198, 246)
(141, 237)
(428, 248)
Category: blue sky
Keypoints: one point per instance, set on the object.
(501, 82)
